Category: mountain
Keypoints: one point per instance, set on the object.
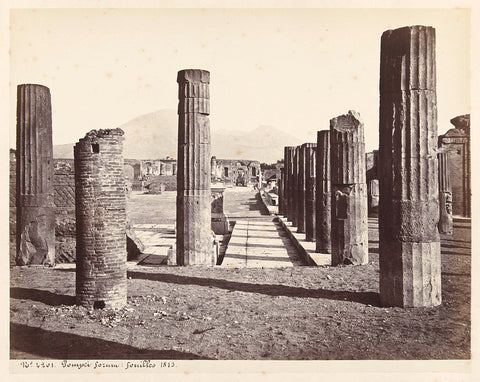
(154, 135)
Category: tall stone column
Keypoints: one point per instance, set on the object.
(100, 210)
(349, 191)
(281, 192)
(310, 184)
(301, 189)
(35, 238)
(445, 223)
(295, 181)
(288, 155)
(194, 235)
(323, 194)
(408, 170)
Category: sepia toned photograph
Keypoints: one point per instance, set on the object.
(238, 184)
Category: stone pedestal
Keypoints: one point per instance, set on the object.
(100, 210)
(408, 170)
(194, 236)
(373, 196)
(349, 233)
(35, 231)
(323, 196)
(445, 223)
(310, 184)
(220, 223)
(457, 141)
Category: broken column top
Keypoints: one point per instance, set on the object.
(461, 122)
(348, 123)
(408, 59)
(193, 75)
(41, 86)
(92, 135)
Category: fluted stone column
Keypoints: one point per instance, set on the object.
(310, 184)
(35, 239)
(281, 195)
(445, 223)
(295, 181)
(349, 191)
(323, 196)
(301, 189)
(288, 155)
(194, 235)
(408, 170)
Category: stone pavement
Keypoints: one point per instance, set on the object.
(258, 240)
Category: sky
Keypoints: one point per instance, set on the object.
(294, 69)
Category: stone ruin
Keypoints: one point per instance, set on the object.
(195, 240)
(101, 271)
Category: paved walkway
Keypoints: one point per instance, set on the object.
(257, 240)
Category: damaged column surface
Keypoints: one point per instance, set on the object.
(408, 170)
(35, 205)
(100, 209)
(288, 154)
(195, 241)
(301, 189)
(445, 223)
(323, 193)
(295, 192)
(349, 233)
(310, 152)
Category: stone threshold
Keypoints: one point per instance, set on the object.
(305, 248)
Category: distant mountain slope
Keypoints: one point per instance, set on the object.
(154, 135)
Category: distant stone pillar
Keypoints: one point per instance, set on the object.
(100, 210)
(301, 189)
(310, 180)
(281, 196)
(323, 193)
(213, 165)
(445, 223)
(35, 236)
(408, 170)
(288, 155)
(373, 195)
(194, 235)
(295, 182)
(349, 233)
(457, 141)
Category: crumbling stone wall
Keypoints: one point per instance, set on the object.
(101, 274)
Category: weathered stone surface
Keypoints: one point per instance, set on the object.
(220, 223)
(373, 195)
(323, 197)
(289, 155)
(281, 190)
(408, 210)
(457, 141)
(101, 273)
(194, 243)
(135, 247)
(310, 184)
(445, 223)
(349, 231)
(295, 183)
(301, 189)
(35, 229)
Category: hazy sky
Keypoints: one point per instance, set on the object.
(294, 69)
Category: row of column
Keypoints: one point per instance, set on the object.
(408, 173)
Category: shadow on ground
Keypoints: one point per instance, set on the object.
(44, 296)
(368, 298)
(59, 345)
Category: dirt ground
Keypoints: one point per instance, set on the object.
(317, 313)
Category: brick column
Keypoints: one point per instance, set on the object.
(100, 210)
(323, 197)
(35, 234)
(408, 170)
(310, 180)
(194, 235)
(349, 233)
(445, 223)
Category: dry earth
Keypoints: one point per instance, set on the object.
(215, 313)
